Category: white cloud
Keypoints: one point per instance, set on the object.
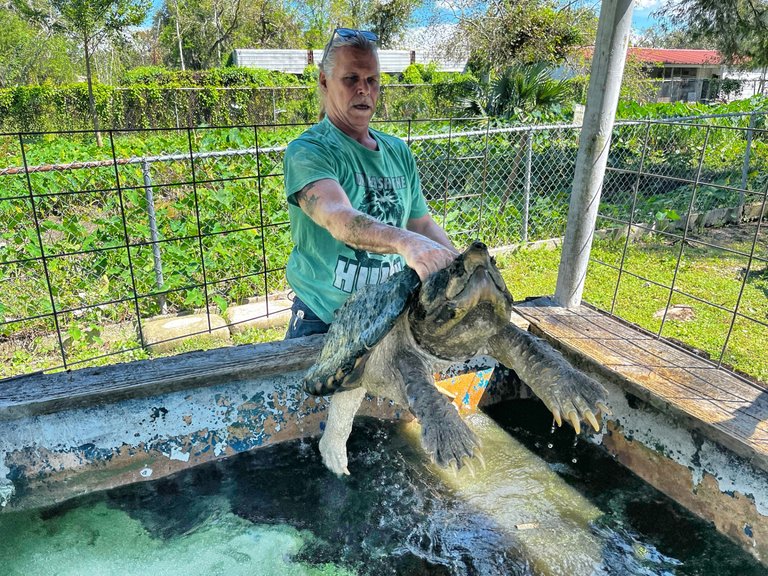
(647, 4)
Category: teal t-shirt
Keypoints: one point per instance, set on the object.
(382, 183)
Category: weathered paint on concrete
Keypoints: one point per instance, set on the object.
(702, 476)
(51, 457)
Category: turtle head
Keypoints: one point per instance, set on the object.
(462, 305)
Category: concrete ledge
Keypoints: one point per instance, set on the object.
(47, 393)
(259, 314)
(167, 333)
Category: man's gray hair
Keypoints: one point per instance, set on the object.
(357, 41)
(328, 62)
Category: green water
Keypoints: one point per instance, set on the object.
(279, 512)
(98, 539)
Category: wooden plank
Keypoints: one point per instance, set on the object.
(715, 401)
(588, 324)
(46, 393)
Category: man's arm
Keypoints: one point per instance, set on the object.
(325, 202)
(426, 226)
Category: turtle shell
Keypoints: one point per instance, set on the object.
(362, 321)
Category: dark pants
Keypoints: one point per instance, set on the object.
(304, 322)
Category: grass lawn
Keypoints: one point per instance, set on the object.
(708, 273)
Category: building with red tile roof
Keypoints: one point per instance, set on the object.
(677, 57)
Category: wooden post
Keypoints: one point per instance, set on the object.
(602, 97)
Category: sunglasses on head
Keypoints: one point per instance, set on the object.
(349, 33)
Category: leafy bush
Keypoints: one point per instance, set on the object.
(154, 97)
(412, 75)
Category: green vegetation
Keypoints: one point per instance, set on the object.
(236, 217)
(152, 97)
(707, 273)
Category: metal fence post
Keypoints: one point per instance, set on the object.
(154, 235)
(745, 165)
(274, 107)
(527, 185)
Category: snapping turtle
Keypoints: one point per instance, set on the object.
(389, 339)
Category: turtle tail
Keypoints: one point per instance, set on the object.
(444, 435)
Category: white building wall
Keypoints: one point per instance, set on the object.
(294, 61)
(755, 81)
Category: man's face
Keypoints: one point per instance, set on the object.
(352, 90)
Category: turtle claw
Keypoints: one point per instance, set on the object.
(448, 440)
(590, 417)
(480, 458)
(603, 407)
(574, 418)
(557, 417)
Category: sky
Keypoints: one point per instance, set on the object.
(641, 16)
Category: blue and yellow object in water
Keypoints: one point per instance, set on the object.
(465, 390)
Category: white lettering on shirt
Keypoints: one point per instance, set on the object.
(344, 276)
(380, 182)
(350, 273)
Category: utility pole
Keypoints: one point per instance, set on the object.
(594, 142)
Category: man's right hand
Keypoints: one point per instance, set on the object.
(426, 256)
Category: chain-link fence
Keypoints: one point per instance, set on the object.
(95, 241)
(682, 235)
(708, 89)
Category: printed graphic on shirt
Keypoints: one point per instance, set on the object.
(382, 200)
(351, 273)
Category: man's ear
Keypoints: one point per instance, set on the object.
(323, 81)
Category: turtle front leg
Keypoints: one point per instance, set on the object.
(567, 392)
(338, 426)
(444, 435)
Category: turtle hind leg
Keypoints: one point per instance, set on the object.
(444, 435)
(338, 426)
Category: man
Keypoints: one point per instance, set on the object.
(355, 201)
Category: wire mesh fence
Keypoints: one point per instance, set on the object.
(98, 241)
(684, 242)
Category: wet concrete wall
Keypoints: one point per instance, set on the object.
(700, 474)
(47, 458)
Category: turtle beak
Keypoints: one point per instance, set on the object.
(476, 255)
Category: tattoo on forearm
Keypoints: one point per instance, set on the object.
(306, 201)
(360, 225)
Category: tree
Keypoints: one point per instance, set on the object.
(89, 23)
(661, 37)
(738, 28)
(201, 34)
(268, 24)
(500, 32)
(521, 90)
(387, 18)
(30, 54)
